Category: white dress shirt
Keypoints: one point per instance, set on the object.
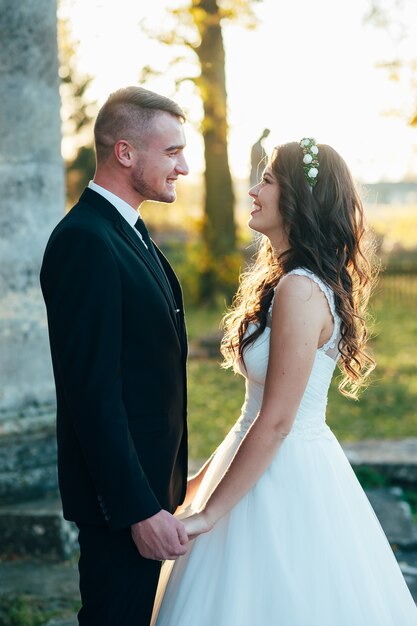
(130, 214)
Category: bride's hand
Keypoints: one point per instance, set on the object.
(197, 524)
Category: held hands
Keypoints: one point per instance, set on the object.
(197, 524)
(165, 537)
(160, 537)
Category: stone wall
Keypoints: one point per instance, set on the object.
(32, 197)
(32, 193)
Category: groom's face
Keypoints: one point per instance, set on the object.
(160, 159)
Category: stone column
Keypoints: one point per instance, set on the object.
(32, 193)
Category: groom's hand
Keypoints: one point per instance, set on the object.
(160, 537)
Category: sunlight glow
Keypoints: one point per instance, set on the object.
(308, 69)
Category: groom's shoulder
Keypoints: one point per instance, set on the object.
(83, 216)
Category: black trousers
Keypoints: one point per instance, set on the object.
(117, 584)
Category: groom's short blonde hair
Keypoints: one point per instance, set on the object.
(127, 114)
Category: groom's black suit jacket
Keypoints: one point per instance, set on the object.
(119, 348)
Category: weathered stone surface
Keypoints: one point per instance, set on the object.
(27, 458)
(396, 460)
(408, 564)
(388, 451)
(40, 578)
(37, 529)
(32, 192)
(26, 485)
(395, 517)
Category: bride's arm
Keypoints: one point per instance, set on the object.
(298, 321)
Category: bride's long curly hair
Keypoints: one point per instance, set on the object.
(327, 235)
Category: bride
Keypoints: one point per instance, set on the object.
(283, 532)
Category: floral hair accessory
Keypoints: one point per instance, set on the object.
(310, 160)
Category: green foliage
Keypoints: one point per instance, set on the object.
(370, 478)
(218, 275)
(411, 498)
(205, 278)
(79, 172)
(77, 112)
(23, 611)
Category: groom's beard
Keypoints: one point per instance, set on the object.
(149, 191)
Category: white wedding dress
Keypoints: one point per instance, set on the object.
(303, 547)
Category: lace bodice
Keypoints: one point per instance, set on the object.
(310, 420)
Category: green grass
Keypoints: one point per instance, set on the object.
(29, 610)
(203, 321)
(215, 399)
(24, 611)
(386, 409)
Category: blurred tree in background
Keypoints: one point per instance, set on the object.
(397, 18)
(196, 28)
(77, 114)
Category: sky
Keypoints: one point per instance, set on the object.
(308, 69)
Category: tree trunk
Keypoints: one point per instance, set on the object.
(219, 231)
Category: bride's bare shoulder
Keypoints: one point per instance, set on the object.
(298, 286)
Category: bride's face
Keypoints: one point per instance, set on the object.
(265, 215)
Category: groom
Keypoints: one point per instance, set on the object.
(119, 348)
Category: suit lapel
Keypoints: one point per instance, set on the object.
(177, 294)
(127, 232)
(110, 212)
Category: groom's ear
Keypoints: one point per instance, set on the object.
(123, 151)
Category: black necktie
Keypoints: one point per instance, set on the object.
(141, 227)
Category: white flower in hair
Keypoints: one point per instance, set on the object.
(310, 161)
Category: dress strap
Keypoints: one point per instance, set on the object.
(328, 292)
